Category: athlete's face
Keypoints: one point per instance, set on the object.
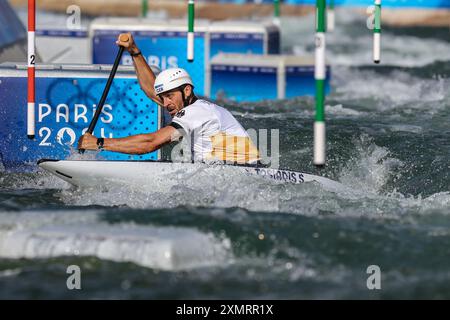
(173, 100)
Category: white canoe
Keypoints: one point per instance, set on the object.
(90, 173)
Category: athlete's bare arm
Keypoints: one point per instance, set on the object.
(137, 144)
(144, 73)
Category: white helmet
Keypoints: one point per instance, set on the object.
(170, 79)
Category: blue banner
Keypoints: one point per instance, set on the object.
(162, 49)
(254, 83)
(64, 109)
(300, 81)
(237, 43)
(243, 83)
(167, 49)
(62, 33)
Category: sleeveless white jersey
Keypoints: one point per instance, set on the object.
(214, 134)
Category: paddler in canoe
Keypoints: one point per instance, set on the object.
(214, 134)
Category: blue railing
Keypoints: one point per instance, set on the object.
(361, 3)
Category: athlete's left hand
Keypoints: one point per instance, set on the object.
(88, 142)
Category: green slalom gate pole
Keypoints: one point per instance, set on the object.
(190, 34)
(330, 16)
(377, 33)
(276, 12)
(144, 8)
(319, 75)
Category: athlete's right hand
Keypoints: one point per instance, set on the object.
(129, 44)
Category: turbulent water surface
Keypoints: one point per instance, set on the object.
(216, 236)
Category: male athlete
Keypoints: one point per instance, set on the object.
(213, 132)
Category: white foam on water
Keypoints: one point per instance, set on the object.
(370, 169)
(214, 186)
(38, 180)
(209, 186)
(87, 155)
(276, 109)
(340, 110)
(433, 203)
(274, 115)
(368, 172)
(10, 273)
(400, 50)
(405, 128)
(365, 175)
(43, 179)
(397, 88)
(351, 45)
(51, 234)
(405, 51)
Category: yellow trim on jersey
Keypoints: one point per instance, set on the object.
(233, 148)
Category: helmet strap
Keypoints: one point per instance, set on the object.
(187, 100)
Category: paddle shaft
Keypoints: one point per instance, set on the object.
(105, 91)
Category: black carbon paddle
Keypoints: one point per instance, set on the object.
(123, 38)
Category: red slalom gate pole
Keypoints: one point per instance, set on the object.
(31, 69)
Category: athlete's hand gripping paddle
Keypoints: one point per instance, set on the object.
(123, 38)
